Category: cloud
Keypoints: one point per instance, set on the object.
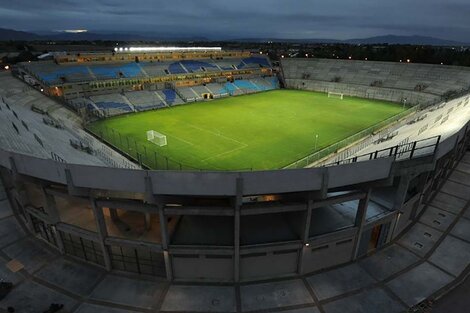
(339, 19)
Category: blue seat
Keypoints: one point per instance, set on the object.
(55, 76)
(176, 68)
(254, 60)
(245, 84)
(170, 96)
(113, 105)
(128, 70)
(195, 66)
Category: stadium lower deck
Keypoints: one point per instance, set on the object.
(267, 130)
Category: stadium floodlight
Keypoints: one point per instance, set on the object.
(156, 138)
(169, 49)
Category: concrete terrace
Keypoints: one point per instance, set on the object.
(430, 259)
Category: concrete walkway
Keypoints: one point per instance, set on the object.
(427, 261)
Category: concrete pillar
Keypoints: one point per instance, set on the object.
(114, 215)
(165, 242)
(422, 184)
(51, 206)
(53, 212)
(236, 228)
(148, 221)
(102, 233)
(305, 235)
(360, 221)
(402, 190)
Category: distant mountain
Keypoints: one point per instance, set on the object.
(387, 39)
(10, 34)
(406, 40)
(260, 40)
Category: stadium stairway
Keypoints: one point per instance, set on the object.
(392, 280)
(126, 100)
(143, 70)
(162, 99)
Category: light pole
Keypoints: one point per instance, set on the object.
(316, 141)
(404, 103)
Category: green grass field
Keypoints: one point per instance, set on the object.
(267, 130)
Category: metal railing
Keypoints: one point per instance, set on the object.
(407, 151)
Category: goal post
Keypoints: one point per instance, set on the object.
(336, 95)
(156, 138)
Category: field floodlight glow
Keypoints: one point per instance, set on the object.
(7, 67)
(168, 49)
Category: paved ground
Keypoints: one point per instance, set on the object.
(423, 263)
(456, 301)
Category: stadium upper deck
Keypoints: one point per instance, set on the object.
(73, 76)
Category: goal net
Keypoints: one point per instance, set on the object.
(336, 95)
(156, 138)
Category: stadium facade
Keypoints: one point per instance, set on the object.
(223, 226)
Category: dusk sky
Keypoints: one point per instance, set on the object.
(337, 19)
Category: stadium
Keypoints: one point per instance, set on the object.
(211, 167)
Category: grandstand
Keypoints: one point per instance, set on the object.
(53, 73)
(156, 82)
(37, 126)
(418, 83)
(118, 86)
(387, 208)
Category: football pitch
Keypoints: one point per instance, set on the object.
(267, 130)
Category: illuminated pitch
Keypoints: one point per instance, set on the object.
(267, 130)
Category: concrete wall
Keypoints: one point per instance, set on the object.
(288, 196)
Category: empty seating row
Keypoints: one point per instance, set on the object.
(188, 94)
(427, 78)
(112, 104)
(217, 90)
(145, 100)
(52, 73)
(170, 97)
(25, 131)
